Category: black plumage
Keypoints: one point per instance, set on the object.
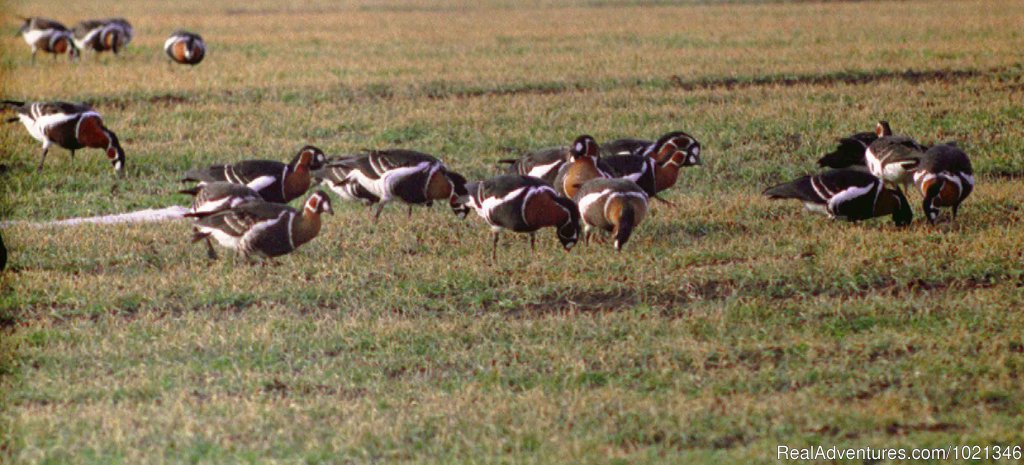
(275, 181)
(849, 195)
(381, 176)
(945, 178)
(523, 204)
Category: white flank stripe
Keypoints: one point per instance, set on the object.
(33, 35)
(847, 195)
(540, 171)
(587, 200)
(490, 203)
(170, 42)
(261, 183)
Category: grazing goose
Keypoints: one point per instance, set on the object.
(49, 36)
(611, 205)
(945, 178)
(262, 228)
(893, 158)
(582, 166)
(850, 154)
(69, 125)
(849, 195)
(542, 164)
(275, 181)
(654, 166)
(100, 35)
(523, 204)
(381, 176)
(185, 47)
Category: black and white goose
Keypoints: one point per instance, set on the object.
(275, 181)
(382, 176)
(583, 165)
(69, 125)
(48, 36)
(258, 228)
(100, 35)
(616, 206)
(523, 204)
(185, 47)
(849, 195)
(893, 158)
(945, 178)
(654, 166)
(850, 153)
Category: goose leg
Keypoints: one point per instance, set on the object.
(212, 254)
(929, 199)
(46, 148)
(533, 241)
(410, 211)
(377, 212)
(494, 248)
(72, 154)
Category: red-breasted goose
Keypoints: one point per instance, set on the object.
(100, 35)
(381, 176)
(69, 125)
(945, 178)
(584, 164)
(849, 195)
(654, 166)
(48, 36)
(275, 181)
(616, 206)
(523, 204)
(259, 228)
(187, 48)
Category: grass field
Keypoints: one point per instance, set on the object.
(728, 326)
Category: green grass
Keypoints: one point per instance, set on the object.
(729, 325)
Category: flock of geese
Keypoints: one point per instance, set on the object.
(578, 189)
(102, 35)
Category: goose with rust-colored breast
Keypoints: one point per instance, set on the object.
(945, 178)
(653, 165)
(382, 176)
(275, 181)
(616, 206)
(70, 125)
(48, 36)
(184, 47)
(260, 228)
(523, 204)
